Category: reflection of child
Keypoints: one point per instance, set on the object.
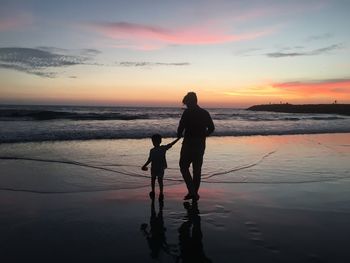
(156, 233)
(158, 163)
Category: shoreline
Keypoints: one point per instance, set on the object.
(168, 137)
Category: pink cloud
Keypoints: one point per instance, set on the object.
(311, 88)
(212, 29)
(138, 35)
(328, 84)
(317, 91)
(15, 22)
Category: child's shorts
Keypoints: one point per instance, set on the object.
(159, 174)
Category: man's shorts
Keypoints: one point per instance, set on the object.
(191, 153)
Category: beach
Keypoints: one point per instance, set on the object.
(263, 198)
(239, 109)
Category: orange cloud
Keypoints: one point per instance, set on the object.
(297, 92)
(331, 87)
(152, 37)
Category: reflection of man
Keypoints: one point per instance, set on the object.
(196, 124)
(190, 236)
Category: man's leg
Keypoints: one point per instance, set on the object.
(197, 171)
(185, 162)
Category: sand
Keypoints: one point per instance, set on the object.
(263, 199)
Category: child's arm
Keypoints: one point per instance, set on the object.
(144, 167)
(172, 143)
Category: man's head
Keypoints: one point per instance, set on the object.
(156, 139)
(190, 99)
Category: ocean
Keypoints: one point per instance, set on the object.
(60, 123)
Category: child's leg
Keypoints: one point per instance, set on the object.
(160, 182)
(153, 182)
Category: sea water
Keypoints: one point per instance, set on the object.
(57, 123)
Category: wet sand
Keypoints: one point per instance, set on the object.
(263, 199)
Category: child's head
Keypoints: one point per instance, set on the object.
(156, 139)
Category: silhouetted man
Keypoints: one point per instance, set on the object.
(195, 125)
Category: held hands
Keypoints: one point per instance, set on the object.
(144, 168)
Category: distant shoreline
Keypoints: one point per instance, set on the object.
(343, 109)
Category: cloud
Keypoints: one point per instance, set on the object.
(17, 21)
(150, 64)
(314, 52)
(28, 70)
(39, 61)
(284, 54)
(248, 52)
(316, 88)
(87, 52)
(210, 23)
(140, 36)
(328, 84)
(319, 37)
(294, 51)
(328, 89)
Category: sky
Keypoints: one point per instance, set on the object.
(152, 52)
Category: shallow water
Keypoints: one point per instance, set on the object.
(85, 166)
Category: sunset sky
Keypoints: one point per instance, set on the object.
(232, 53)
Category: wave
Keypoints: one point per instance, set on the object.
(56, 123)
(39, 115)
(47, 114)
(236, 169)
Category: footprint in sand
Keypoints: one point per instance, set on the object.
(256, 236)
(212, 216)
(313, 258)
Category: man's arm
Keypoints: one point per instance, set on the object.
(181, 127)
(168, 146)
(210, 127)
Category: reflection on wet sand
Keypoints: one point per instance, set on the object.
(190, 236)
(155, 233)
(190, 246)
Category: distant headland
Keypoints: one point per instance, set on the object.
(343, 109)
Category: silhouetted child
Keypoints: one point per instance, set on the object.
(158, 163)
